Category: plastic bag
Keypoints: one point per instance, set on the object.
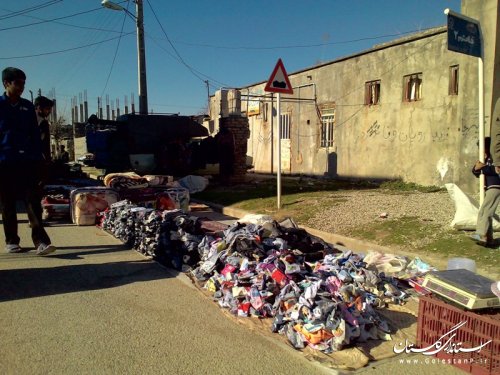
(193, 183)
(466, 210)
(387, 263)
(256, 219)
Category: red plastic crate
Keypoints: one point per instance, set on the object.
(436, 318)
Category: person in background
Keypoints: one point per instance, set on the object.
(43, 108)
(225, 151)
(20, 163)
(484, 228)
(63, 154)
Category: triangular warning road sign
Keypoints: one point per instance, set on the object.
(278, 81)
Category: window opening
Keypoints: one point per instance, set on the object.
(412, 87)
(453, 85)
(327, 126)
(372, 92)
(285, 126)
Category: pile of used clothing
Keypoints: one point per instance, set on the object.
(169, 236)
(316, 294)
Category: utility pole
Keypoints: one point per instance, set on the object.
(141, 50)
(141, 62)
(208, 97)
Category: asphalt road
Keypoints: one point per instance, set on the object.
(95, 307)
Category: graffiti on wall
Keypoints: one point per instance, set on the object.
(440, 136)
(373, 130)
(403, 135)
(410, 135)
(470, 122)
(469, 129)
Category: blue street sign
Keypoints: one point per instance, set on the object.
(464, 35)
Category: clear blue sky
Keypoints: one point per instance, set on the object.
(229, 43)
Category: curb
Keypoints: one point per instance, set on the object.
(331, 238)
(343, 242)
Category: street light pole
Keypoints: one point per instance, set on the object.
(141, 50)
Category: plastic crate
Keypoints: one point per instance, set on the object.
(436, 318)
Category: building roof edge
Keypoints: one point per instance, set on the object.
(403, 40)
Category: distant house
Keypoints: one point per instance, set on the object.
(405, 109)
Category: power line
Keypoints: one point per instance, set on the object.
(65, 50)
(337, 100)
(267, 48)
(302, 45)
(177, 59)
(27, 10)
(51, 20)
(390, 67)
(116, 53)
(77, 60)
(68, 24)
(173, 47)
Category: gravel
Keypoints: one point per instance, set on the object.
(362, 207)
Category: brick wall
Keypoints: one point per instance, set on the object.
(239, 127)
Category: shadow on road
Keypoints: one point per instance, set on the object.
(36, 282)
(67, 252)
(19, 221)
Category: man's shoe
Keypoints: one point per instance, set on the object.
(480, 240)
(13, 248)
(44, 249)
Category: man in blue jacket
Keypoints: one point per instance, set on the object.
(20, 163)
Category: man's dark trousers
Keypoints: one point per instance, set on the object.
(21, 181)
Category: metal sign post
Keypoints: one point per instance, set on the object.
(464, 36)
(279, 83)
(278, 172)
